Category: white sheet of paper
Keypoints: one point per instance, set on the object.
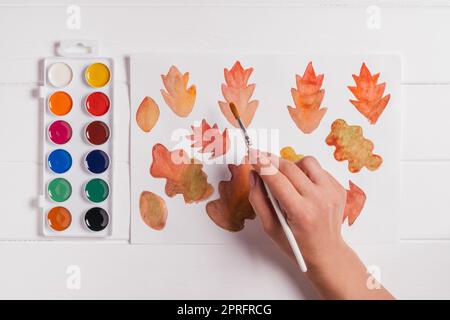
(274, 75)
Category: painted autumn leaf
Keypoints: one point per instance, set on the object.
(177, 95)
(289, 154)
(369, 95)
(356, 199)
(147, 114)
(237, 90)
(307, 97)
(233, 207)
(153, 210)
(183, 175)
(352, 146)
(210, 139)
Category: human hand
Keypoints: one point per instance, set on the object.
(313, 203)
(311, 199)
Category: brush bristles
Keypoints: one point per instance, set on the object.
(234, 110)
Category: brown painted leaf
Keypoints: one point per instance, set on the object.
(356, 199)
(153, 210)
(183, 175)
(177, 95)
(352, 146)
(369, 94)
(289, 153)
(308, 97)
(147, 114)
(237, 90)
(233, 207)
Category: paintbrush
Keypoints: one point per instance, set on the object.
(287, 230)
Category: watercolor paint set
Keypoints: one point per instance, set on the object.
(77, 146)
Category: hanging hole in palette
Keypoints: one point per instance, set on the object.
(78, 49)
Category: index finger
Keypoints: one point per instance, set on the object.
(278, 184)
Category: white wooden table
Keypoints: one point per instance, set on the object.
(417, 267)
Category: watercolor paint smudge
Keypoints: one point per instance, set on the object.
(177, 95)
(352, 146)
(183, 175)
(289, 154)
(147, 114)
(237, 90)
(153, 210)
(233, 207)
(356, 198)
(369, 95)
(210, 139)
(307, 97)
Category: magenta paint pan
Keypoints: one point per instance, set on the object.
(60, 132)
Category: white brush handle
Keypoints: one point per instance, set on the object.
(287, 231)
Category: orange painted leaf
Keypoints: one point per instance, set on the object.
(369, 95)
(233, 207)
(237, 90)
(307, 97)
(352, 146)
(177, 95)
(147, 114)
(153, 210)
(289, 154)
(356, 199)
(183, 175)
(210, 139)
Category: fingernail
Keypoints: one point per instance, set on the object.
(264, 160)
(252, 178)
